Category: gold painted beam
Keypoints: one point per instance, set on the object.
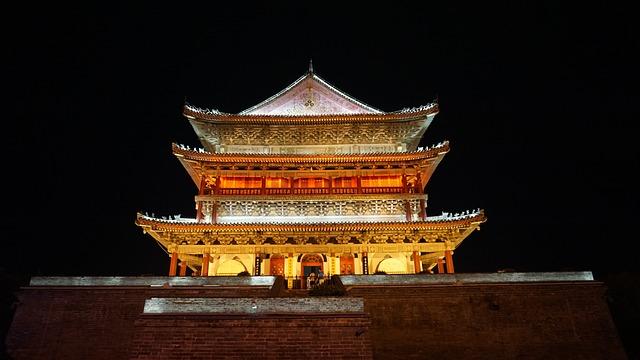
(306, 248)
(319, 197)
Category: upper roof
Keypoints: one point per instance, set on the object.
(337, 118)
(310, 95)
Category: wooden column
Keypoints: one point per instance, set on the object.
(449, 260)
(419, 186)
(365, 263)
(440, 266)
(330, 185)
(205, 264)
(214, 212)
(405, 189)
(216, 185)
(263, 185)
(291, 185)
(173, 264)
(407, 210)
(199, 215)
(203, 185)
(416, 262)
(183, 268)
(423, 210)
(359, 184)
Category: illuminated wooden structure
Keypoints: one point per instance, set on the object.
(310, 179)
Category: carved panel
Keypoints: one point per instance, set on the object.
(317, 208)
(383, 133)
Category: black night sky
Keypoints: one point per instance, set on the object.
(538, 101)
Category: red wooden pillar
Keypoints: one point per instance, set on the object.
(449, 256)
(423, 210)
(405, 189)
(440, 266)
(263, 185)
(203, 184)
(407, 210)
(214, 212)
(330, 185)
(419, 184)
(201, 190)
(416, 262)
(291, 185)
(359, 184)
(205, 264)
(183, 268)
(173, 264)
(199, 214)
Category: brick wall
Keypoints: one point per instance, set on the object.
(456, 320)
(491, 321)
(90, 322)
(296, 336)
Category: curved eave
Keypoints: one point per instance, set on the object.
(431, 153)
(441, 224)
(222, 118)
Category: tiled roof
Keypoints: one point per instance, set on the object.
(457, 221)
(398, 116)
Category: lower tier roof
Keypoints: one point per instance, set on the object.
(433, 236)
(432, 223)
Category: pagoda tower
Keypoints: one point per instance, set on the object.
(310, 179)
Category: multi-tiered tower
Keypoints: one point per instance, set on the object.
(311, 179)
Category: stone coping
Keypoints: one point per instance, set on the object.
(469, 278)
(155, 281)
(313, 305)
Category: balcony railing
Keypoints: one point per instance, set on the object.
(305, 191)
(239, 191)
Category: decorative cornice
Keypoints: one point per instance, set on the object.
(202, 155)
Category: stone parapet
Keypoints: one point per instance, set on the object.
(470, 278)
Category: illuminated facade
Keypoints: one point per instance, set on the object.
(311, 179)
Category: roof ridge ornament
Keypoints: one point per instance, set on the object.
(417, 108)
(310, 66)
(202, 110)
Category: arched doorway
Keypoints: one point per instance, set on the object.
(391, 266)
(346, 264)
(311, 263)
(231, 267)
(276, 266)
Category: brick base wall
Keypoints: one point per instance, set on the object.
(89, 322)
(297, 336)
(535, 320)
(491, 321)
